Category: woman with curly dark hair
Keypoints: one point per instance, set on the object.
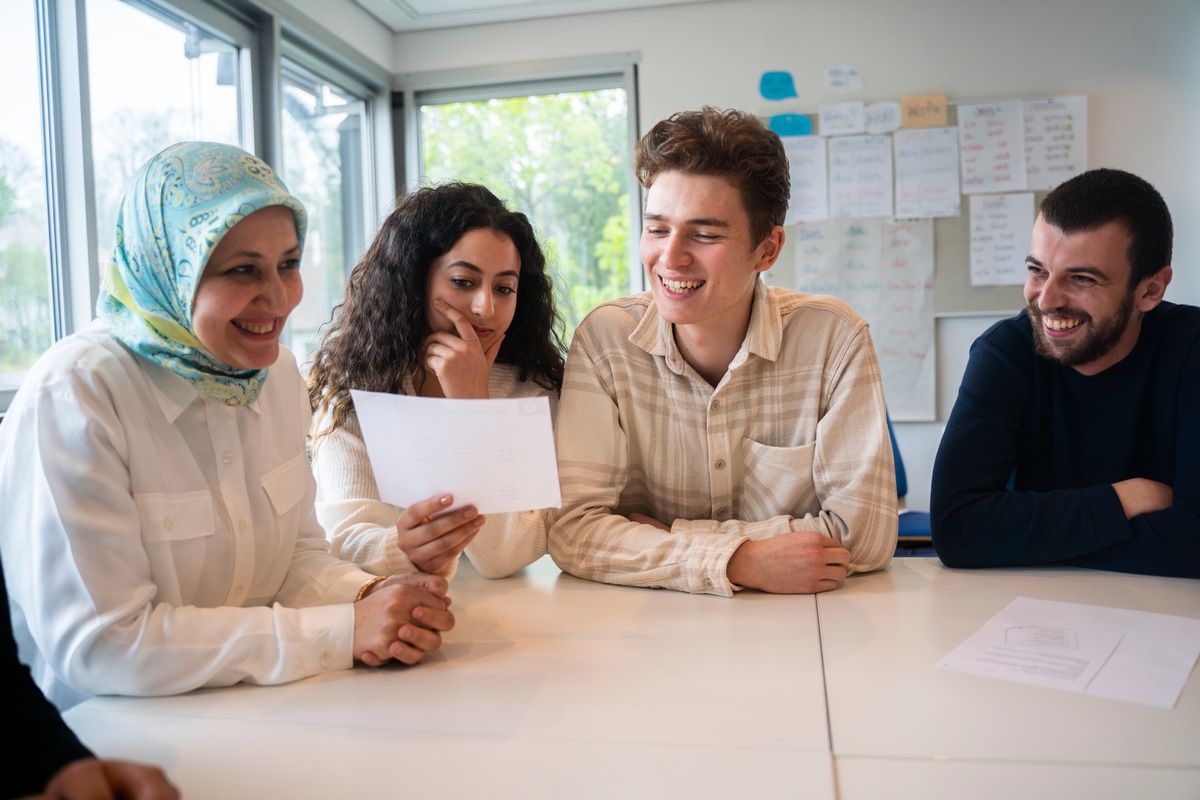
(452, 299)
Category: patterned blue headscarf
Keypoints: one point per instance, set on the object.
(178, 208)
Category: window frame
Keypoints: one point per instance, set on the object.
(265, 33)
(473, 84)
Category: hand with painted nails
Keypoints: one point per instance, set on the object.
(433, 535)
(461, 359)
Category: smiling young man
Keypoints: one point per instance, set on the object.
(715, 433)
(1076, 435)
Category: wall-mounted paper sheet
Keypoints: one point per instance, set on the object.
(883, 117)
(843, 78)
(1001, 225)
(841, 119)
(884, 270)
(810, 184)
(1055, 140)
(495, 454)
(923, 111)
(991, 143)
(1137, 656)
(860, 176)
(927, 173)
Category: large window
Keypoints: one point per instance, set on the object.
(26, 316)
(95, 87)
(558, 150)
(325, 142)
(178, 82)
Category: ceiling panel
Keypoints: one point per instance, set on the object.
(418, 15)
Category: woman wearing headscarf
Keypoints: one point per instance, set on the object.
(158, 529)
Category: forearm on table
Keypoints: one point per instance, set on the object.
(508, 542)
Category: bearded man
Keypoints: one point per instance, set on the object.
(1075, 438)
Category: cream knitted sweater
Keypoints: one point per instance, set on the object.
(362, 528)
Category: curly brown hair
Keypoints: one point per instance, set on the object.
(373, 341)
(731, 144)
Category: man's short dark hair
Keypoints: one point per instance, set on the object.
(729, 144)
(1100, 196)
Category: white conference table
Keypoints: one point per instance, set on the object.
(548, 686)
(901, 727)
(555, 687)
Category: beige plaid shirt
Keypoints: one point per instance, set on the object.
(793, 438)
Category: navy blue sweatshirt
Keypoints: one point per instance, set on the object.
(1025, 468)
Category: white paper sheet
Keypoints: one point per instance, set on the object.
(1055, 140)
(884, 269)
(991, 144)
(841, 119)
(927, 173)
(860, 176)
(1136, 656)
(495, 454)
(809, 176)
(1000, 230)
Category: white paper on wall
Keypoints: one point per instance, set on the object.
(809, 178)
(1056, 134)
(1000, 229)
(991, 143)
(927, 172)
(860, 176)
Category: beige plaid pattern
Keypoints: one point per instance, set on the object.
(793, 438)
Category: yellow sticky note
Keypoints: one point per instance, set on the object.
(923, 111)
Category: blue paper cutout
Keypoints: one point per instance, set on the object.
(791, 124)
(777, 85)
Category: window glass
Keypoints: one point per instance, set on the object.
(323, 164)
(154, 79)
(26, 320)
(562, 159)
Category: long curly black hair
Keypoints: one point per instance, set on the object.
(373, 341)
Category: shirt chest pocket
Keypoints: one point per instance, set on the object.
(778, 480)
(177, 530)
(286, 483)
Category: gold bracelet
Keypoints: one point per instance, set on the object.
(366, 587)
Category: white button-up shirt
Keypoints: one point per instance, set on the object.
(155, 541)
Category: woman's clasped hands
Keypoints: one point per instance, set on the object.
(401, 617)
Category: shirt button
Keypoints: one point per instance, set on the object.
(239, 594)
(719, 463)
(326, 660)
(721, 512)
(715, 405)
(227, 458)
(241, 526)
(168, 524)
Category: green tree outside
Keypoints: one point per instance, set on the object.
(563, 160)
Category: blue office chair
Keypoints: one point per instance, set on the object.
(913, 538)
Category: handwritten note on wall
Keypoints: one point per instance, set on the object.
(1055, 140)
(884, 270)
(991, 143)
(927, 173)
(810, 184)
(842, 119)
(1000, 227)
(860, 176)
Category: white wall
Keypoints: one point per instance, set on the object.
(1138, 63)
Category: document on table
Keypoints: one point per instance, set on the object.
(495, 454)
(1137, 656)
